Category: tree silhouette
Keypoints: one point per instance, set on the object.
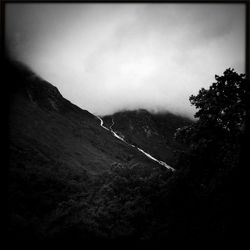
(214, 138)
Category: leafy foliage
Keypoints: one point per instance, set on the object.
(221, 114)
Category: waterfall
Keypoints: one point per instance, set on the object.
(142, 151)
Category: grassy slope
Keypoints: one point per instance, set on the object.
(152, 132)
(41, 119)
(55, 150)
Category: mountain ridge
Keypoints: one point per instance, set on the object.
(36, 107)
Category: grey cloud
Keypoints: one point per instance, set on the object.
(108, 57)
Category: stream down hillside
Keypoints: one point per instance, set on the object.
(141, 150)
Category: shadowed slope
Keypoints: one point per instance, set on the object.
(55, 151)
(154, 133)
(42, 120)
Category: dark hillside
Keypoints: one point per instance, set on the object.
(71, 179)
(55, 151)
(41, 119)
(152, 132)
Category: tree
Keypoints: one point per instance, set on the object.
(221, 114)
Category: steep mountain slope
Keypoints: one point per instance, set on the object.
(56, 150)
(51, 127)
(152, 132)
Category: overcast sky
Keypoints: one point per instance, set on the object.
(109, 57)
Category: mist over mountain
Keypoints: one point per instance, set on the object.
(55, 149)
(125, 122)
(56, 128)
(75, 176)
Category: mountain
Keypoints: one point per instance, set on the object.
(47, 126)
(152, 132)
(72, 175)
(55, 151)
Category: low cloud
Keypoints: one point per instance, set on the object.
(109, 57)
